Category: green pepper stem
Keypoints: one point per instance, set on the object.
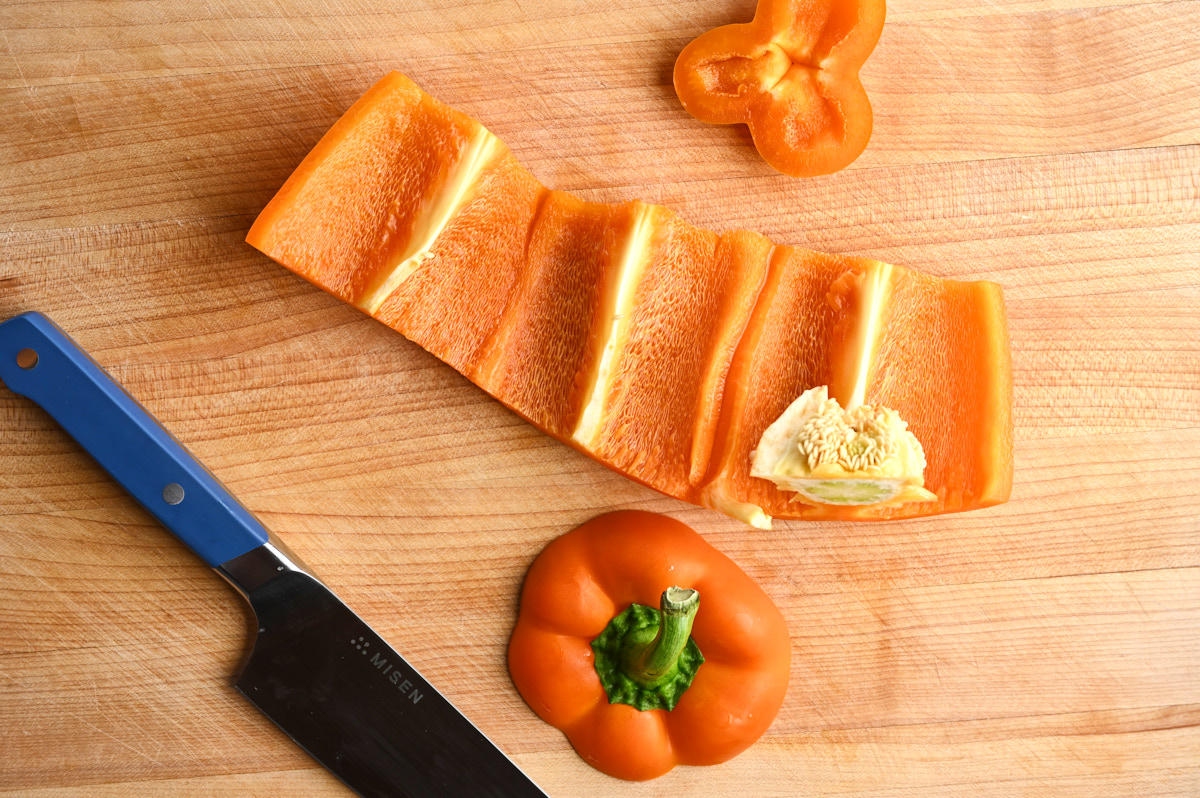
(649, 661)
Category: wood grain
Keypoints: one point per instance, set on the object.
(1049, 647)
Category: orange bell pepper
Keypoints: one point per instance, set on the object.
(589, 649)
(791, 75)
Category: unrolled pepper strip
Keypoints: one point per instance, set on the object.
(791, 75)
(575, 620)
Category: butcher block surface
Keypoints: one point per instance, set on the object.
(1046, 647)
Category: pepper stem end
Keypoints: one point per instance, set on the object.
(649, 663)
(646, 657)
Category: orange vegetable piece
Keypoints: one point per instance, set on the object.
(544, 353)
(791, 75)
(483, 244)
(658, 348)
(937, 353)
(785, 350)
(362, 206)
(658, 406)
(585, 578)
(941, 359)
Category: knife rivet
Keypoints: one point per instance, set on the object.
(27, 359)
(172, 493)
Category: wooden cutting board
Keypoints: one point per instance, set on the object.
(1050, 646)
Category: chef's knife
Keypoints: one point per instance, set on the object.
(316, 669)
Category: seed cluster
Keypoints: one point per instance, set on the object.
(854, 440)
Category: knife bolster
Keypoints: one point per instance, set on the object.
(256, 568)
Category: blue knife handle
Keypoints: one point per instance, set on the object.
(41, 362)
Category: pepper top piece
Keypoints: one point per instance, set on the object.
(585, 666)
(791, 75)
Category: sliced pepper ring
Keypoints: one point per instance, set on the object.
(585, 578)
(791, 76)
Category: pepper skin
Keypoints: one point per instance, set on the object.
(585, 578)
(791, 75)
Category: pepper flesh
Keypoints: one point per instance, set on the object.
(659, 349)
(791, 75)
(585, 578)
